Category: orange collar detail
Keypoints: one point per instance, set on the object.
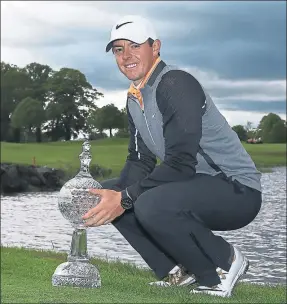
(136, 92)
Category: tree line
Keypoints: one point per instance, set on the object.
(271, 129)
(41, 104)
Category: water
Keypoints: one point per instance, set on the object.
(34, 221)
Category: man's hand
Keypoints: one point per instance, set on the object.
(107, 210)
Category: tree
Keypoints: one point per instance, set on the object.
(250, 131)
(15, 86)
(272, 129)
(125, 120)
(241, 132)
(108, 117)
(248, 126)
(29, 113)
(71, 97)
(54, 128)
(124, 131)
(39, 75)
(278, 132)
(95, 121)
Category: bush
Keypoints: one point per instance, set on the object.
(122, 134)
(95, 136)
(98, 171)
(240, 131)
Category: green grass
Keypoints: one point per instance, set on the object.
(111, 153)
(267, 155)
(106, 153)
(26, 278)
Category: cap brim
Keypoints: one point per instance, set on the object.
(110, 44)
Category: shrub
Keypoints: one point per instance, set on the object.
(98, 171)
(122, 134)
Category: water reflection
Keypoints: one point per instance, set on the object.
(34, 221)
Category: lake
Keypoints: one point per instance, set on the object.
(32, 220)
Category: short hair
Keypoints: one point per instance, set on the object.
(150, 42)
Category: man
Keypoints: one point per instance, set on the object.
(206, 180)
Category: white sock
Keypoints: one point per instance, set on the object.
(174, 270)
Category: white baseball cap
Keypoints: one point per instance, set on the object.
(134, 28)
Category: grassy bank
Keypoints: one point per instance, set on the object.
(111, 153)
(64, 155)
(26, 278)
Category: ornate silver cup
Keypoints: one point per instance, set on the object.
(74, 201)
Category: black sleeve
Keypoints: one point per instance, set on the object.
(139, 162)
(182, 102)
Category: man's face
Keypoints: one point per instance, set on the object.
(135, 60)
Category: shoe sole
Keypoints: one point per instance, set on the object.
(243, 270)
(187, 282)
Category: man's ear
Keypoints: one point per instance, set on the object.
(156, 47)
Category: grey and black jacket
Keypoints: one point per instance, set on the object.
(180, 125)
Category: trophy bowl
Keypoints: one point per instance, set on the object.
(74, 200)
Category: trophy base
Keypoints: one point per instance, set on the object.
(77, 274)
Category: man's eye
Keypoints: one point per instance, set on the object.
(116, 51)
(135, 46)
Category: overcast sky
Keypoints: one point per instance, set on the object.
(237, 50)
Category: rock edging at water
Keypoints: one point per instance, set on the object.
(26, 178)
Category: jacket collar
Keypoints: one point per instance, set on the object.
(159, 67)
(149, 79)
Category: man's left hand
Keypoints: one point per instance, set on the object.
(107, 210)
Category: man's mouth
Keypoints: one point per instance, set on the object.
(131, 66)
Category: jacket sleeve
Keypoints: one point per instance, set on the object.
(140, 160)
(181, 101)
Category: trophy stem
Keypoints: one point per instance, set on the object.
(77, 271)
(78, 250)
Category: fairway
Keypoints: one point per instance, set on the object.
(111, 153)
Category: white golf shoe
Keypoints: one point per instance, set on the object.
(228, 279)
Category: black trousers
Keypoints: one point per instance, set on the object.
(172, 224)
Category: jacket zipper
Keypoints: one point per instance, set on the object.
(143, 112)
(148, 127)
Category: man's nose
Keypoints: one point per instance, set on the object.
(126, 54)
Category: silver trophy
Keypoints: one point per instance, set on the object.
(74, 201)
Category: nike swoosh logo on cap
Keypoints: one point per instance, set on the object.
(119, 25)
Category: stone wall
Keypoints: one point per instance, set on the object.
(25, 178)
